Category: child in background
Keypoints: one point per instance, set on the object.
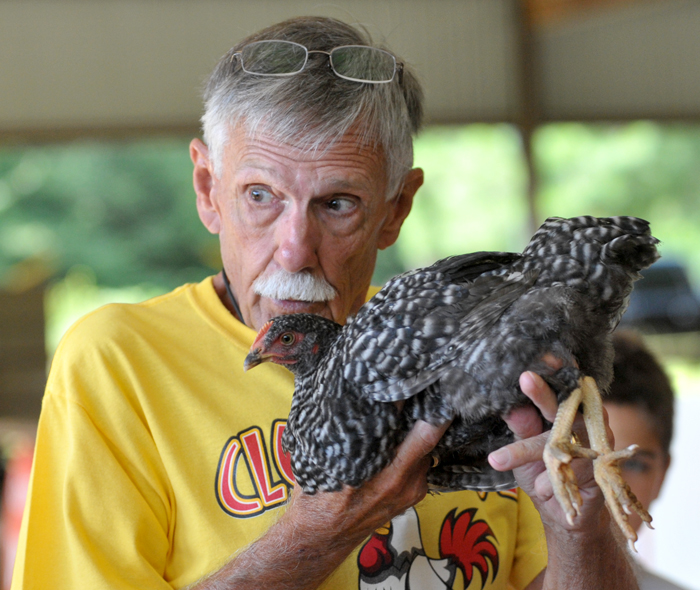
(640, 410)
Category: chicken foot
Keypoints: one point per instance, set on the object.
(561, 449)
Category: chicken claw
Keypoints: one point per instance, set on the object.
(618, 495)
(559, 452)
(560, 449)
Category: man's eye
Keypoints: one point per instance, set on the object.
(260, 195)
(341, 205)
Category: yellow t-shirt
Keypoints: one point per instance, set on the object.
(157, 458)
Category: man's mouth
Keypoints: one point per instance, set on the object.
(295, 305)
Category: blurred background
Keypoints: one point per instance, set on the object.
(534, 107)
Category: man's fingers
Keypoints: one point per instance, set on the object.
(534, 387)
(552, 361)
(519, 453)
(419, 442)
(524, 422)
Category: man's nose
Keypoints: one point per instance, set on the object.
(298, 238)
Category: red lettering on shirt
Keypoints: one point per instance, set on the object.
(257, 459)
(229, 498)
(249, 449)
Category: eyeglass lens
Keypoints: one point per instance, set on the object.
(273, 58)
(365, 64)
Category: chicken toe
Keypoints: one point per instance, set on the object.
(618, 495)
(559, 452)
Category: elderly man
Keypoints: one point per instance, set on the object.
(158, 460)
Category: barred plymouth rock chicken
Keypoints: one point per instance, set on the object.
(449, 342)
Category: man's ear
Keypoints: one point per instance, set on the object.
(203, 180)
(401, 207)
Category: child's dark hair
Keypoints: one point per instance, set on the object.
(640, 380)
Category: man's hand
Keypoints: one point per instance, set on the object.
(589, 554)
(317, 532)
(525, 456)
(360, 511)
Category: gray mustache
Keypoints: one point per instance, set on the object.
(298, 286)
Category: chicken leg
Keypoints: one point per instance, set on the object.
(560, 450)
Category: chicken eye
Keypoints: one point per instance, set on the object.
(287, 338)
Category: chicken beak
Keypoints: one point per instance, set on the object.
(256, 355)
(254, 358)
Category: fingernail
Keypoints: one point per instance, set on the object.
(527, 381)
(429, 433)
(500, 458)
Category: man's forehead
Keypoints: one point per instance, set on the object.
(343, 162)
(305, 147)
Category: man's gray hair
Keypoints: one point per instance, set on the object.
(314, 108)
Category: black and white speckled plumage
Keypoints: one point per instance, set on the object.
(450, 341)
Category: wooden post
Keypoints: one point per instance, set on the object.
(529, 116)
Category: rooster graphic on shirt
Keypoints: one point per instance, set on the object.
(394, 558)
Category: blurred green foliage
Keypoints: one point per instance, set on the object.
(644, 169)
(473, 196)
(124, 210)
